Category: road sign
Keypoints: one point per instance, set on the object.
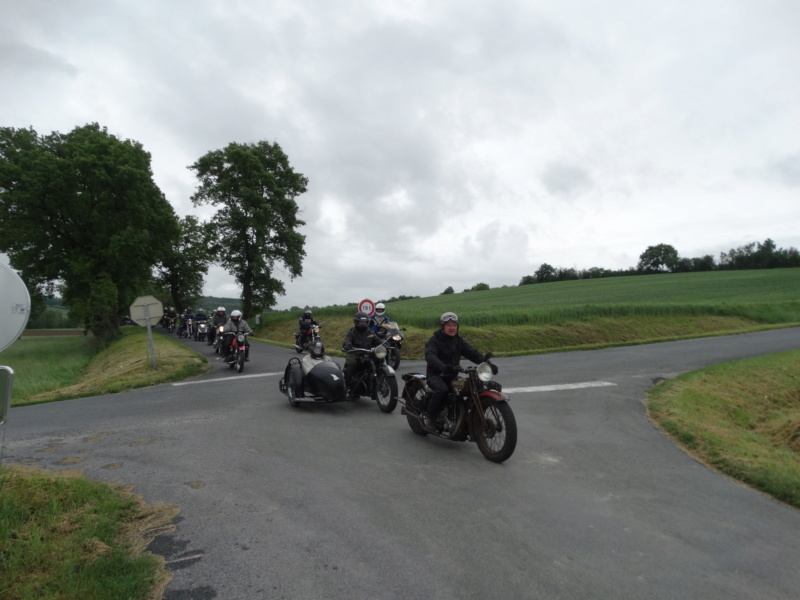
(367, 306)
(147, 310)
(147, 307)
(15, 308)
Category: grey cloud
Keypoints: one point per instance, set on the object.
(564, 179)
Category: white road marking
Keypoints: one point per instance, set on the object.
(555, 388)
(229, 378)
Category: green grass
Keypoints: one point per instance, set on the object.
(67, 537)
(48, 368)
(742, 418)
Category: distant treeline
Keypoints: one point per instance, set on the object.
(664, 258)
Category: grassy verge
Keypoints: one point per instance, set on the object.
(62, 536)
(742, 418)
(59, 368)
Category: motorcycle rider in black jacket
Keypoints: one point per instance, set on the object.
(443, 352)
(359, 336)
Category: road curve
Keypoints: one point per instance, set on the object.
(343, 501)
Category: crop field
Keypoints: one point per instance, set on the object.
(766, 296)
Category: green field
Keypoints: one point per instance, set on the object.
(585, 313)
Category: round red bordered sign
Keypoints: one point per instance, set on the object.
(367, 306)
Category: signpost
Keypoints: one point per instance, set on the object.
(367, 306)
(148, 310)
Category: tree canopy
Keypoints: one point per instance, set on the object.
(658, 259)
(81, 211)
(254, 189)
(183, 268)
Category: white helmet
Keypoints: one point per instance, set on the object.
(236, 314)
(380, 308)
(221, 309)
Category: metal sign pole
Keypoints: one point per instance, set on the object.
(150, 336)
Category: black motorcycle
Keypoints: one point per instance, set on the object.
(475, 410)
(375, 378)
(393, 334)
(302, 341)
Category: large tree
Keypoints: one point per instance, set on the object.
(81, 210)
(182, 270)
(658, 259)
(254, 188)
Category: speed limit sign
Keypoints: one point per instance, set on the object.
(366, 306)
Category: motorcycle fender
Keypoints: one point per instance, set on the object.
(388, 371)
(493, 395)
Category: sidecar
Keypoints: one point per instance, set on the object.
(313, 378)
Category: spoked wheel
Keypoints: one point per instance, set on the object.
(393, 358)
(240, 362)
(387, 393)
(497, 436)
(414, 394)
(291, 388)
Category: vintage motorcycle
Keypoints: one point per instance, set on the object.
(218, 339)
(303, 342)
(475, 410)
(375, 378)
(314, 378)
(201, 332)
(393, 334)
(186, 329)
(237, 354)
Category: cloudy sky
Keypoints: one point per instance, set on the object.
(446, 142)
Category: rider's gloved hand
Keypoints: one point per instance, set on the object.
(449, 370)
(494, 368)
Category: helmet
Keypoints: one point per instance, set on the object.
(307, 314)
(221, 309)
(200, 310)
(317, 349)
(360, 318)
(235, 315)
(380, 308)
(448, 317)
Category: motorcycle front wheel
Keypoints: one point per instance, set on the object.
(240, 362)
(393, 358)
(496, 433)
(387, 393)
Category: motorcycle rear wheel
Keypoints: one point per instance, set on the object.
(497, 438)
(387, 393)
(414, 393)
(393, 358)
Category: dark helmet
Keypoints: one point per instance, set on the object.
(360, 318)
(317, 350)
(307, 314)
(448, 317)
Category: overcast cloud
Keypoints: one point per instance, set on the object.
(446, 142)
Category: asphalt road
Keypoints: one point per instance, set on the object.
(343, 501)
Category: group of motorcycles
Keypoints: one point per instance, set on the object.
(202, 331)
(475, 409)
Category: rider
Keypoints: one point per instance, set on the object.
(379, 318)
(443, 352)
(359, 336)
(304, 324)
(200, 317)
(186, 315)
(235, 325)
(217, 319)
(172, 314)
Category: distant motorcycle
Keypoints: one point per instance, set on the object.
(393, 334)
(303, 341)
(201, 332)
(375, 379)
(475, 410)
(218, 339)
(314, 378)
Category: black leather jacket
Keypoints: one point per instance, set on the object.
(360, 339)
(442, 349)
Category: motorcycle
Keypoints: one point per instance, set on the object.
(237, 353)
(171, 324)
(186, 329)
(309, 338)
(475, 410)
(375, 378)
(314, 378)
(393, 334)
(218, 339)
(202, 332)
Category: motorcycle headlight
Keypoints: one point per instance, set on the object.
(484, 372)
(380, 352)
(397, 337)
